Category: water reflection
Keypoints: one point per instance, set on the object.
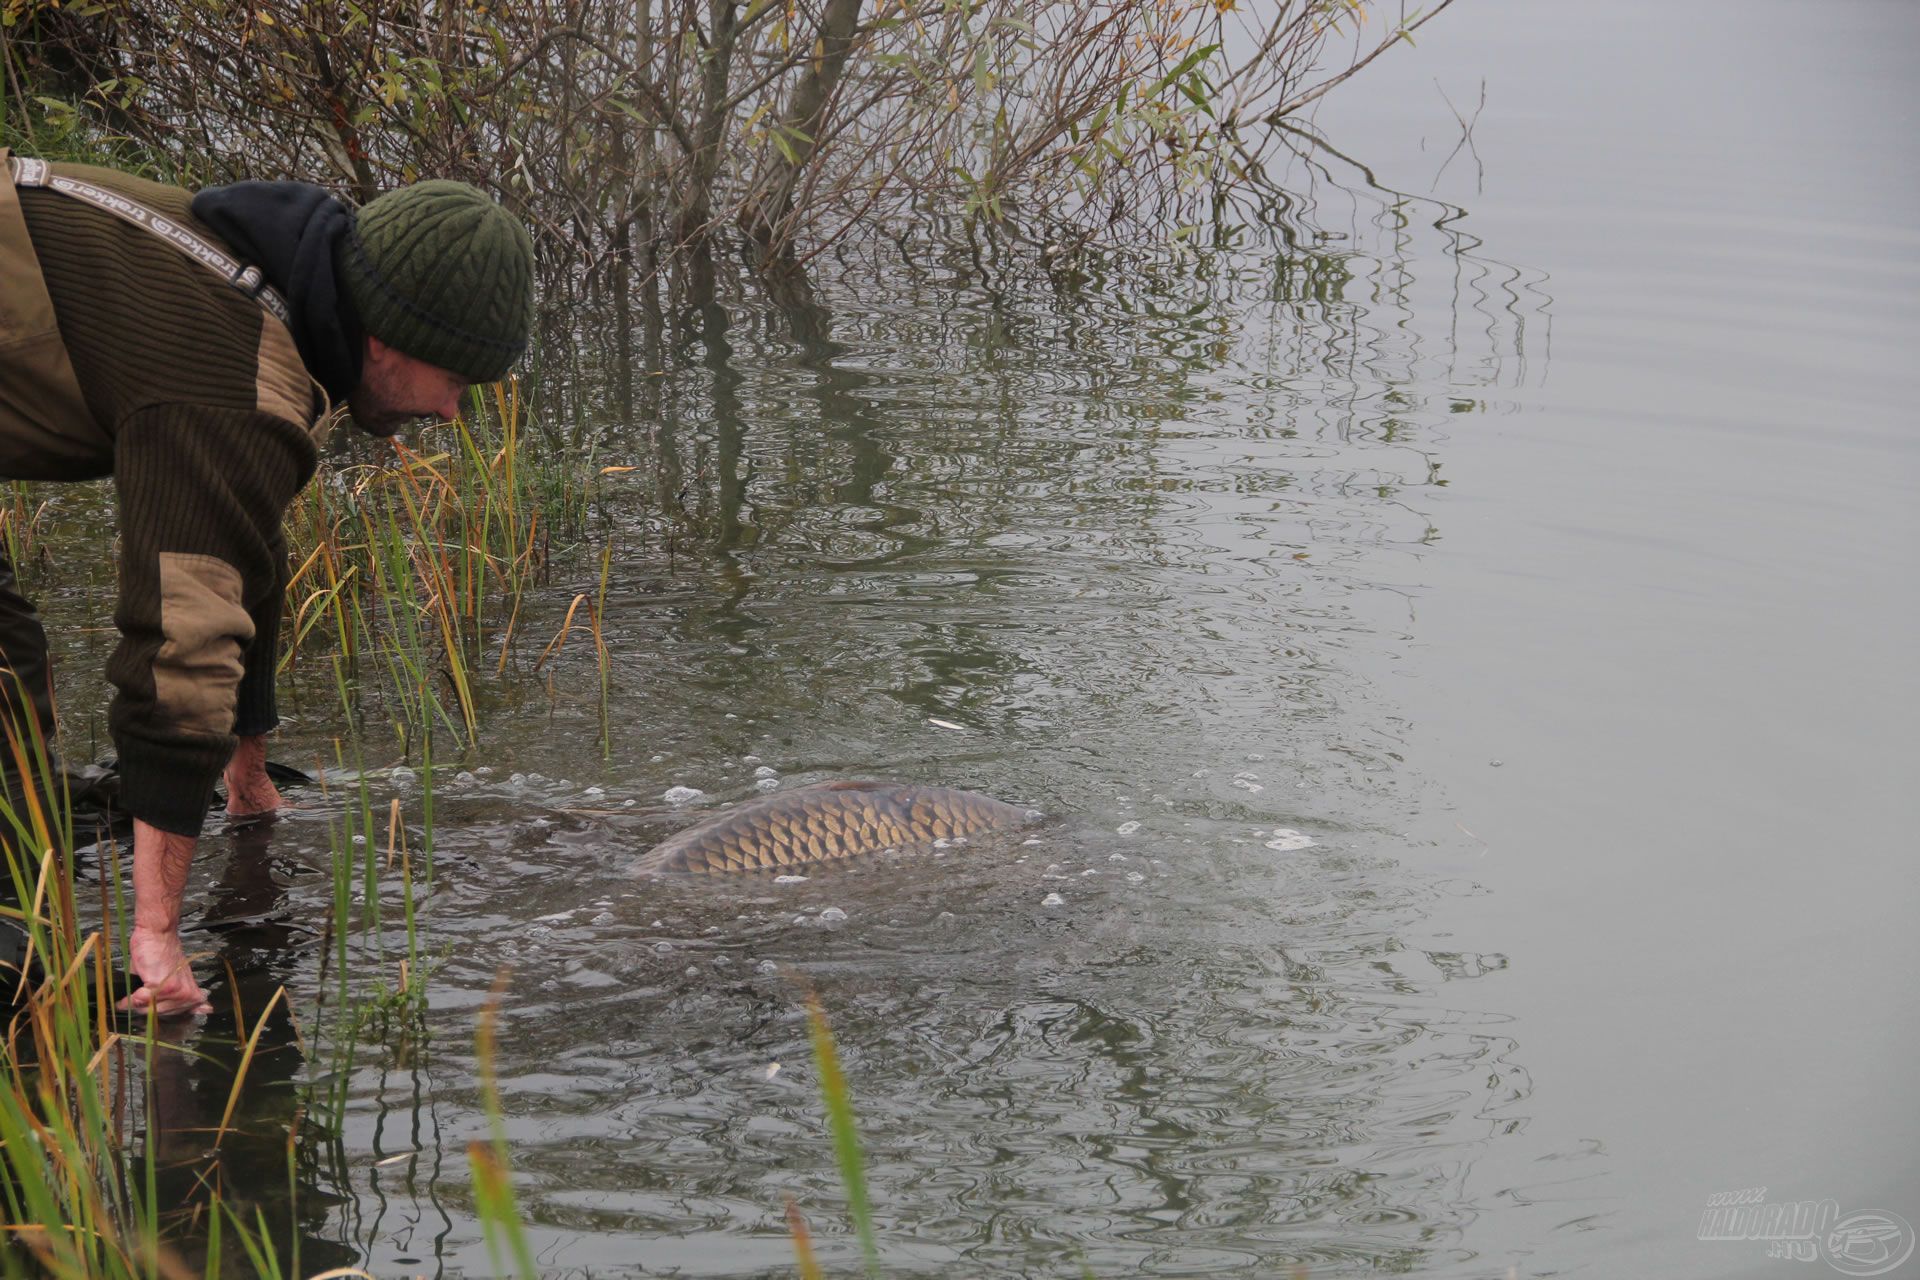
(255, 1148)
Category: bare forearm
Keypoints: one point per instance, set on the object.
(161, 863)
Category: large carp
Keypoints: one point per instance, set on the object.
(826, 821)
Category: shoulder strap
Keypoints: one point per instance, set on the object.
(248, 280)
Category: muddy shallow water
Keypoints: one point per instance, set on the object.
(1466, 661)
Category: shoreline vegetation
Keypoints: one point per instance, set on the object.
(637, 142)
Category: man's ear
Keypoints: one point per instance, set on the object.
(378, 352)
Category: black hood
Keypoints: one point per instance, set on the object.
(292, 231)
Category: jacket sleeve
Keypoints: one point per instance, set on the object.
(202, 493)
(256, 711)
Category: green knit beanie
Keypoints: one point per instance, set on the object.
(441, 273)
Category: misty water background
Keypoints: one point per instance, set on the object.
(1467, 653)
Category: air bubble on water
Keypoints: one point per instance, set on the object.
(464, 777)
(662, 948)
(627, 803)
(401, 777)
(565, 784)
(605, 917)
(1116, 857)
(1053, 900)
(1029, 840)
(766, 966)
(1053, 868)
(517, 780)
(539, 824)
(766, 771)
(659, 924)
(767, 784)
(1256, 756)
(959, 840)
(1134, 877)
(943, 843)
(832, 915)
(1035, 815)
(656, 758)
(484, 771)
(723, 960)
(1127, 828)
(789, 879)
(801, 920)
(594, 793)
(944, 915)
(730, 714)
(536, 777)
(1496, 763)
(693, 971)
(1091, 871)
(681, 795)
(1285, 839)
(749, 759)
(359, 839)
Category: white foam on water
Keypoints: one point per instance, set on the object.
(789, 879)
(765, 770)
(1053, 900)
(1285, 839)
(767, 784)
(1127, 828)
(681, 795)
(832, 915)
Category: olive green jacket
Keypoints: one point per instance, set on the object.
(120, 355)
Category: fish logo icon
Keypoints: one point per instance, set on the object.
(1869, 1244)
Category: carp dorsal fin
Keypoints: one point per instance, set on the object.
(856, 785)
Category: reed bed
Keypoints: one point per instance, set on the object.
(418, 567)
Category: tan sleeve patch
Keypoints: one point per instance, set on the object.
(196, 673)
(283, 388)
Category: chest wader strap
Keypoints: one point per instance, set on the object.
(248, 280)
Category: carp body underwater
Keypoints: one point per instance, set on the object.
(827, 822)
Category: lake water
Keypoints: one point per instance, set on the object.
(1468, 659)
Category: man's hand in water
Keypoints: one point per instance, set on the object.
(250, 792)
(161, 860)
(169, 987)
